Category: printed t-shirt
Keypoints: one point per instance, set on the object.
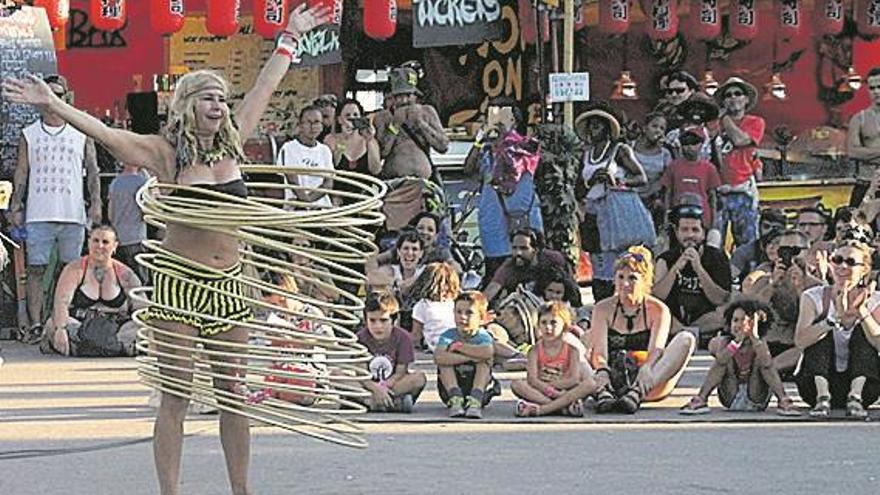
(387, 354)
(692, 177)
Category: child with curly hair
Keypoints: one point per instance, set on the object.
(434, 313)
(743, 370)
(558, 376)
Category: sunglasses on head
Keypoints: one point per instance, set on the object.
(676, 91)
(811, 224)
(731, 94)
(632, 256)
(689, 211)
(848, 261)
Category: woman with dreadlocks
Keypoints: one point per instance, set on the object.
(201, 147)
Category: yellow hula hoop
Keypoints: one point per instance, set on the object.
(278, 359)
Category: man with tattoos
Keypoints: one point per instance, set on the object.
(48, 198)
(408, 130)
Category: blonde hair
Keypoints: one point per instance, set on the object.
(438, 282)
(640, 260)
(180, 130)
(864, 247)
(476, 299)
(558, 309)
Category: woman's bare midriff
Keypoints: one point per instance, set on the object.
(202, 246)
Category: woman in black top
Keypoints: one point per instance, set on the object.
(95, 282)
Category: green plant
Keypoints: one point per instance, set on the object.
(555, 180)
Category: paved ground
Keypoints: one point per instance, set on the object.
(81, 426)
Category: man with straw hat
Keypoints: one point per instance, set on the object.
(734, 149)
(408, 130)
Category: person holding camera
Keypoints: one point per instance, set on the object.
(779, 284)
(693, 278)
(354, 147)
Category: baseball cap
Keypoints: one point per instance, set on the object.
(695, 134)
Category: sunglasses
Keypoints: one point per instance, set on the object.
(771, 225)
(689, 211)
(632, 256)
(676, 91)
(731, 94)
(811, 224)
(872, 88)
(840, 260)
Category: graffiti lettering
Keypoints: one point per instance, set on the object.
(111, 9)
(458, 12)
(176, 7)
(317, 42)
(874, 13)
(82, 35)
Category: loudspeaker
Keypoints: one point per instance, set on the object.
(143, 108)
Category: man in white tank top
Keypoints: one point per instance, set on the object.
(49, 200)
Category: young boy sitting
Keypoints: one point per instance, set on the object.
(464, 359)
(392, 387)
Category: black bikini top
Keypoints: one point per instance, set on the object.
(82, 301)
(235, 187)
(629, 341)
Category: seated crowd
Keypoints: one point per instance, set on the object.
(787, 296)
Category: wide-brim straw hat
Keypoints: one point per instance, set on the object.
(580, 124)
(404, 81)
(747, 87)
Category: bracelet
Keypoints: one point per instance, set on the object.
(290, 33)
(280, 50)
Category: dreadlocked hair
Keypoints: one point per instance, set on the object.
(438, 282)
(180, 130)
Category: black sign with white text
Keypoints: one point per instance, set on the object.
(455, 22)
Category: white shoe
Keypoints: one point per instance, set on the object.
(202, 408)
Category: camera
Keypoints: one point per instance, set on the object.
(360, 123)
(787, 255)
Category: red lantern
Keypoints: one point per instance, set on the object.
(108, 15)
(380, 18)
(222, 16)
(166, 16)
(705, 19)
(332, 6)
(829, 16)
(58, 11)
(869, 18)
(743, 19)
(791, 18)
(614, 16)
(270, 17)
(662, 19)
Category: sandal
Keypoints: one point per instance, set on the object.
(605, 401)
(33, 334)
(576, 409)
(697, 405)
(854, 407)
(526, 409)
(822, 409)
(630, 401)
(785, 407)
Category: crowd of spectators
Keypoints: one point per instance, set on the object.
(773, 295)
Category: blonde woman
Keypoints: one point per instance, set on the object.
(633, 357)
(200, 147)
(838, 330)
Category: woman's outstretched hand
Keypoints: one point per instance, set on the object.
(30, 90)
(303, 20)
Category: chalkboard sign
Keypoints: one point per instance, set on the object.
(26, 47)
(455, 22)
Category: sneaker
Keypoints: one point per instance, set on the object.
(474, 408)
(456, 406)
(404, 404)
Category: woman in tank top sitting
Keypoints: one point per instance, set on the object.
(838, 330)
(633, 357)
(93, 284)
(354, 147)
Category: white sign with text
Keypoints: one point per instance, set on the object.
(574, 86)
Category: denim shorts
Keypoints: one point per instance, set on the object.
(42, 236)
